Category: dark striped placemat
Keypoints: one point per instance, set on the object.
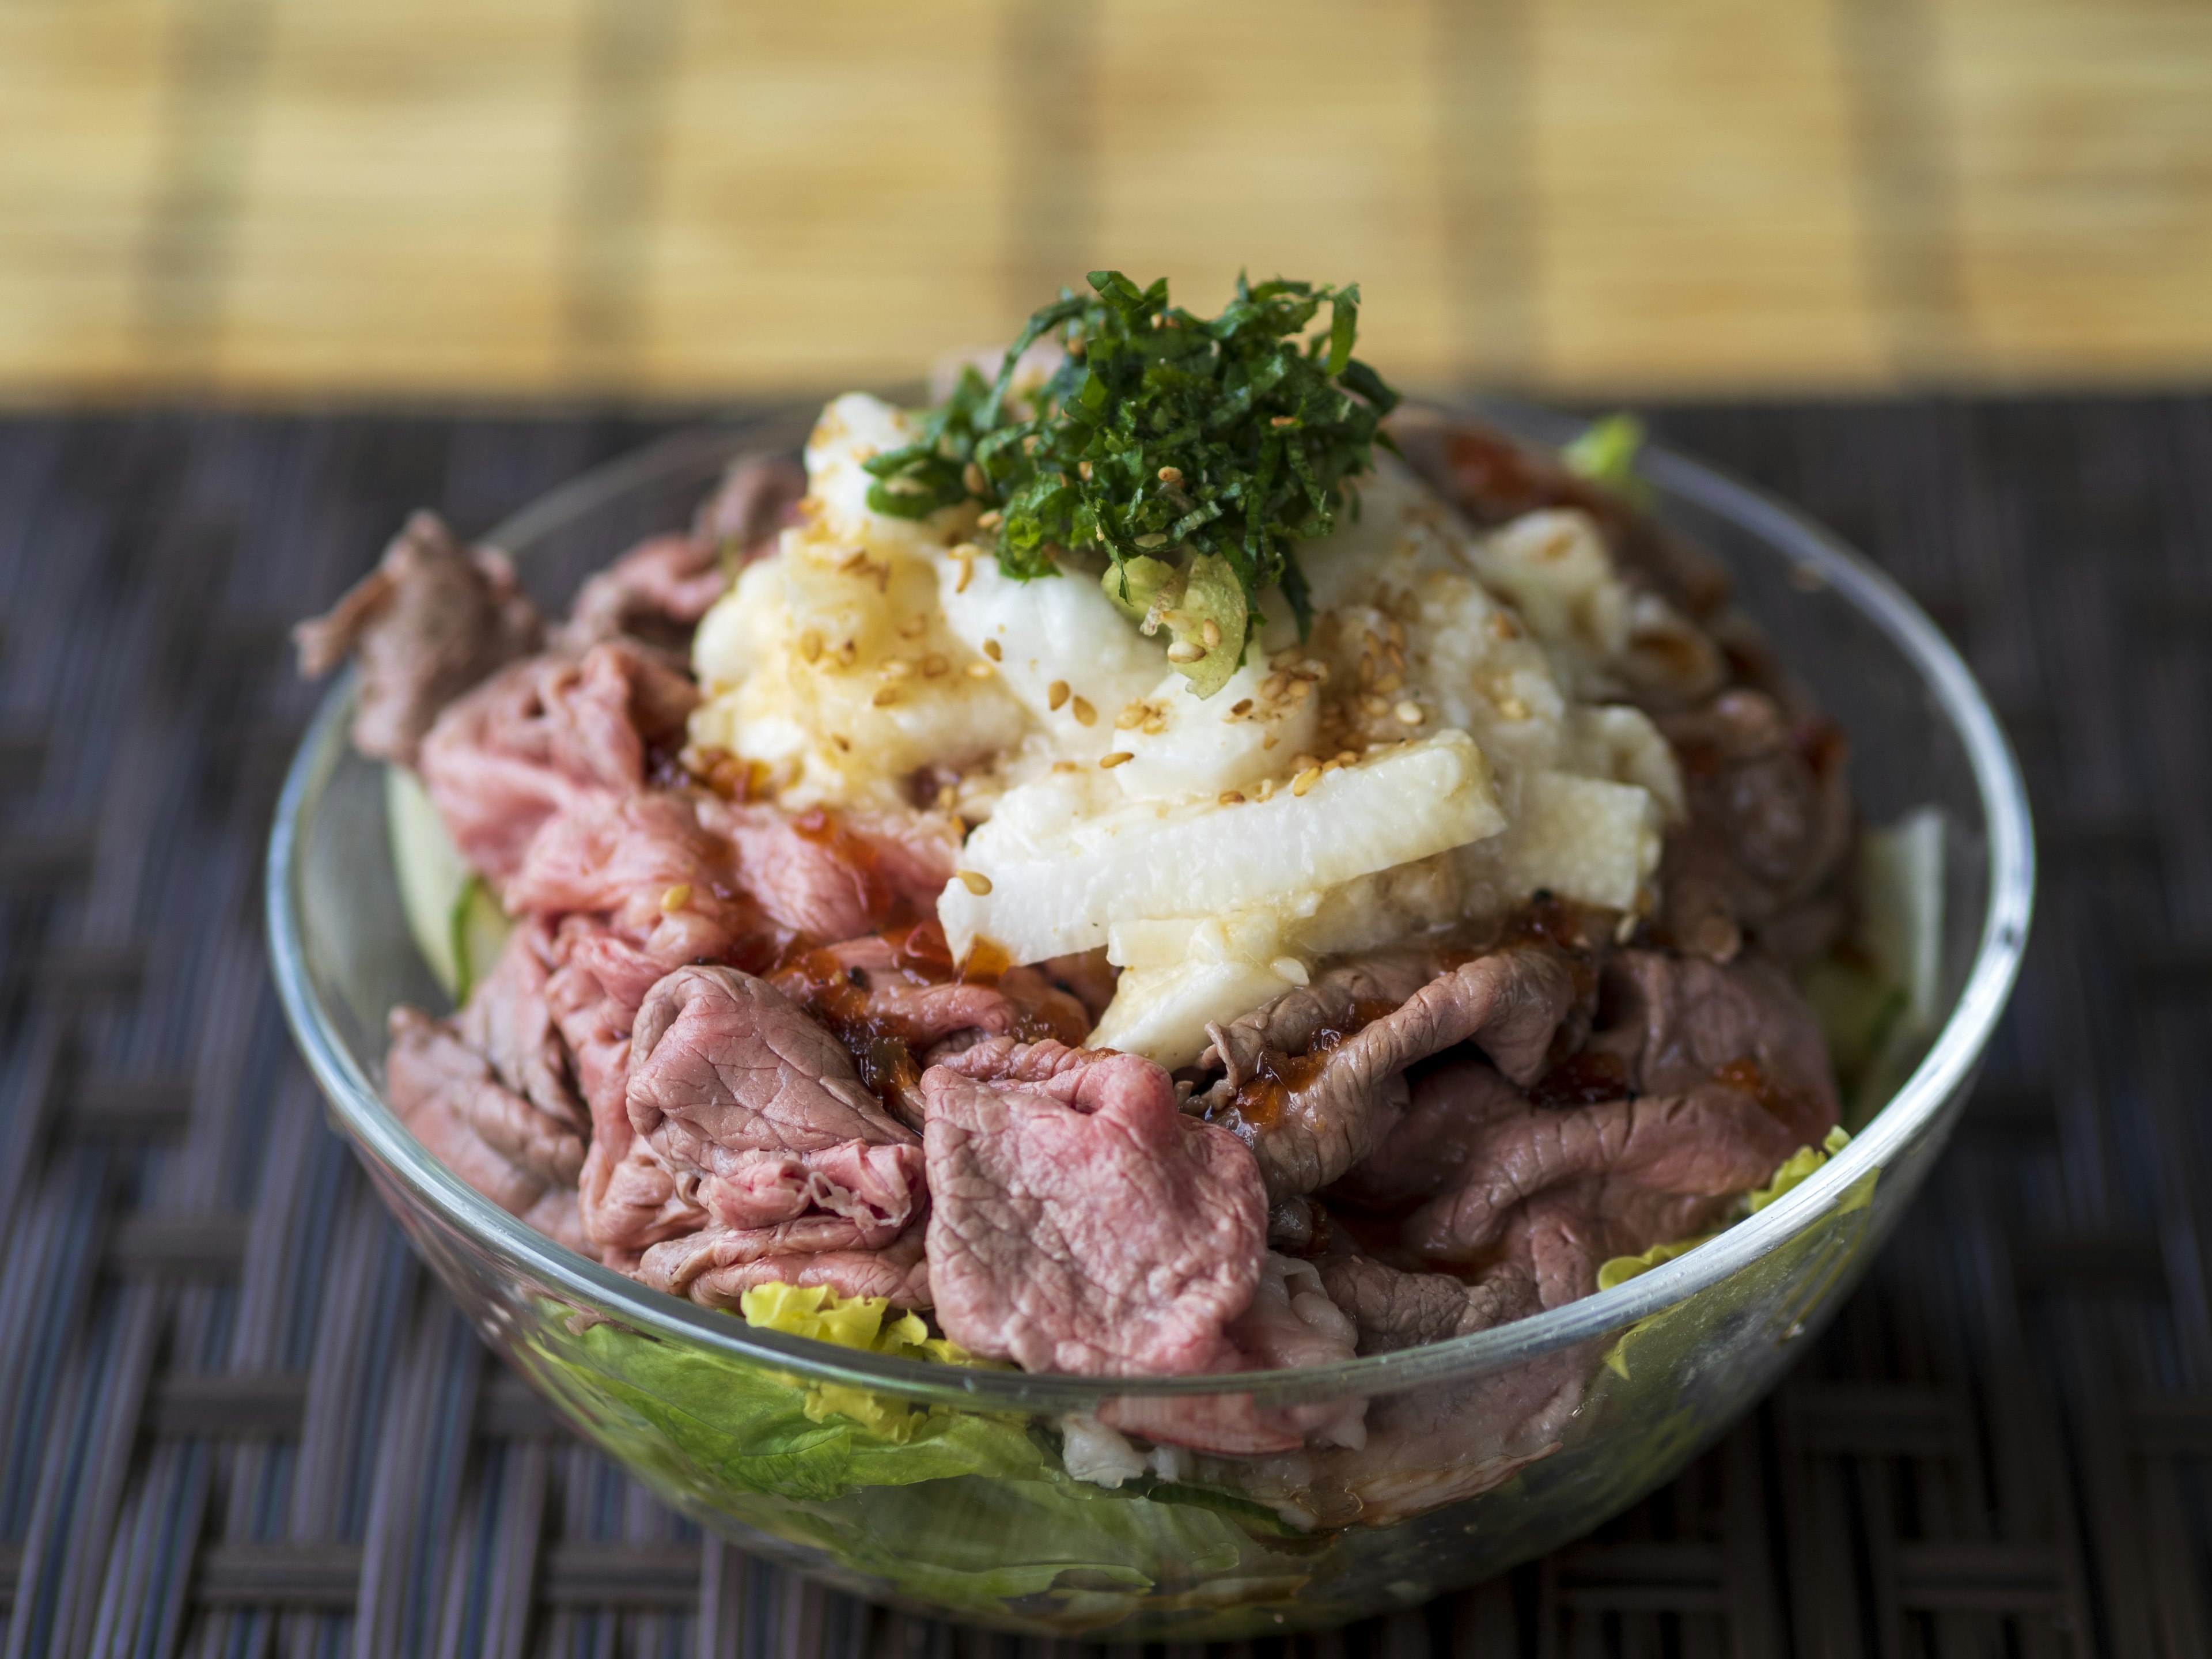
(237, 1419)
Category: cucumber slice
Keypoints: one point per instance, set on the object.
(455, 921)
(479, 932)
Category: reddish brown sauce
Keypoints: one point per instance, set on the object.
(1581, 1079)
(1745, 1075)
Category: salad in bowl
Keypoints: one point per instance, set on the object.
(1162, 995)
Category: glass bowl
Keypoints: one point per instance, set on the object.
(942, 1488)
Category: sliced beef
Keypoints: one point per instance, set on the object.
(1316, 1080)
(758, 497)
(1290, 1323)
(824, 877)
(1081, 1222)
(509, 1022)
(1442, 1443)
(1429, 1147)
(551, 734)
(1672, 1024)
(1391, 1309)
(1087, 977)
(1712, 1142)
(429, 621)
(1769, 822)
(715, 1266)
(756, 1118)
(897, 1002)
(645, 863)
(653, 596)
(522, 1159)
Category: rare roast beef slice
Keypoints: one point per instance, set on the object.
(825, 876)
(508, 1021)
(657, 592)
(1290, 1323)
(551, 734)
(1429, 1148)
(1711, 1142)
(1078, 1222)
(1672, 1024)
(429, 621)
(1316, 1080)
(1393, 1310)
(716, 1265)
(1769, 822)
(524, 1160)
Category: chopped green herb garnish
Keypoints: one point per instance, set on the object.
(1180, 446)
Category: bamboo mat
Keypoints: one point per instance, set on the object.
(295, 199)
(237, 1419)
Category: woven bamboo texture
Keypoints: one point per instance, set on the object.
(272, 200)
(236, 1419)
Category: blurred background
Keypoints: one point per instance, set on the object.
(312, 200)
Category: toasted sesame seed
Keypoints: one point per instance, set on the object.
(913, 627)
(1390, 683)
(896, 669)
(1083, 712)
(1066, 766)
(1285, 658)
(1303, 763)
(810, 645)
(1503, 627)
(1409, 713)
(979, 671)
(990, 520)
(1131, 717)
(1108, 762)
(1055, 695)
(1274, 685)
(1267, 789)
(975, 882)
(844, 743)
(676, 898)
(1185, 651)
(1231, 797)
(1347, 757)
(1210, 631)
(1374, 706)
(933, 665)
(990, 650)
(947, 797)
(1083, 467)
(1279, 422)
(1513, 709)
(1300, 689)
(885, 697)
(1154, 724)
(1306, 781)
(1170, 475)
(972, 476)
(848, 652)
(1241, 706)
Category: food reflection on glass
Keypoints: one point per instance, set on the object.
(1163, 863)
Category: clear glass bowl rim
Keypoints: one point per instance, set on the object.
(1946, 1067)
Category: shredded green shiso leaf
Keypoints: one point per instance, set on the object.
(1164, 437)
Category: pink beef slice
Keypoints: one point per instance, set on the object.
(645, 863)
(525, 1160)
(745, 1112)
(1291, 1324)
(1770, 824)
(657, 592)
(757, 498)
(1315, 1080)
(433, 619)
(551, 734)
(826, 877)
(1081, 1222)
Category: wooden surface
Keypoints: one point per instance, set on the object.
(237, 1420)
(295, 199)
